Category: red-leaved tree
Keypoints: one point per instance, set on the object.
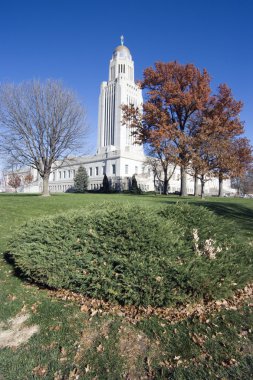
(175, 93)
(14, 181)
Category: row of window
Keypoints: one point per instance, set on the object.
(63, 174)
(96, 170)
(122, 69)
(66, 174)
(55, 188)
(132, 87)
(135, 169)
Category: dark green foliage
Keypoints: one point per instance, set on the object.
(106, 184)
(132, 255)
(207, 223)
(135, 189)
(134, 183)
(81, 180)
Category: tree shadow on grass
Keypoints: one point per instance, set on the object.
(20, 194)
(238, 213)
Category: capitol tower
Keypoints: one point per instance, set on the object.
(120, 89)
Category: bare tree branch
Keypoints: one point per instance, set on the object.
(40, 123)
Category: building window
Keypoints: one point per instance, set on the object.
(103, 170)
(53, 176)
(90, 172)
(74, 172)
(69, 173)
(64, 174)
(126, 169)
(113, 169)
(60, 174)
(96, 170)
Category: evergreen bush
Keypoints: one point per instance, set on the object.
(133, 255)
(106, 184)
(81, 180)
(135, 189)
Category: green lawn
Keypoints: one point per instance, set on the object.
(70, 342)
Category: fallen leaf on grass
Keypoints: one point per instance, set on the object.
(39, 371)
(11, 297)
(201, 310)
(100, 348)
(55, 328)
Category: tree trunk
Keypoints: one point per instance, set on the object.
(202, 186)
(220, 186)
(165, 183)
(45, 191)
(195, 185)
(183, 182)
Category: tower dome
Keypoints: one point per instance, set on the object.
(122, 51)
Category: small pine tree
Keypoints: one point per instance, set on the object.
(135, 189)
(106, 185)
(81, 180)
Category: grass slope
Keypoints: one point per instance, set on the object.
(72, 342)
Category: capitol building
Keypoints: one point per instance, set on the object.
(117, 156)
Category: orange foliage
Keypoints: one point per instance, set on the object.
(183, 124)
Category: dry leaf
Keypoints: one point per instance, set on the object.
(40, 371)
(100, 348)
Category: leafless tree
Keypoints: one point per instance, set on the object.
(41, 124)
(160, 170)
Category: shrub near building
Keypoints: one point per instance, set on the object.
(81, 180)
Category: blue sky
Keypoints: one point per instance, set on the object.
(73, 40)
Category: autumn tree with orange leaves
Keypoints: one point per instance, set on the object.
(242, 158)
(184, 125)
(202, 161)
(221, 125)
(216, 145)
(175, 93)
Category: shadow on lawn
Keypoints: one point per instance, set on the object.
(10, 260)
(20, 194)
(232, 211)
